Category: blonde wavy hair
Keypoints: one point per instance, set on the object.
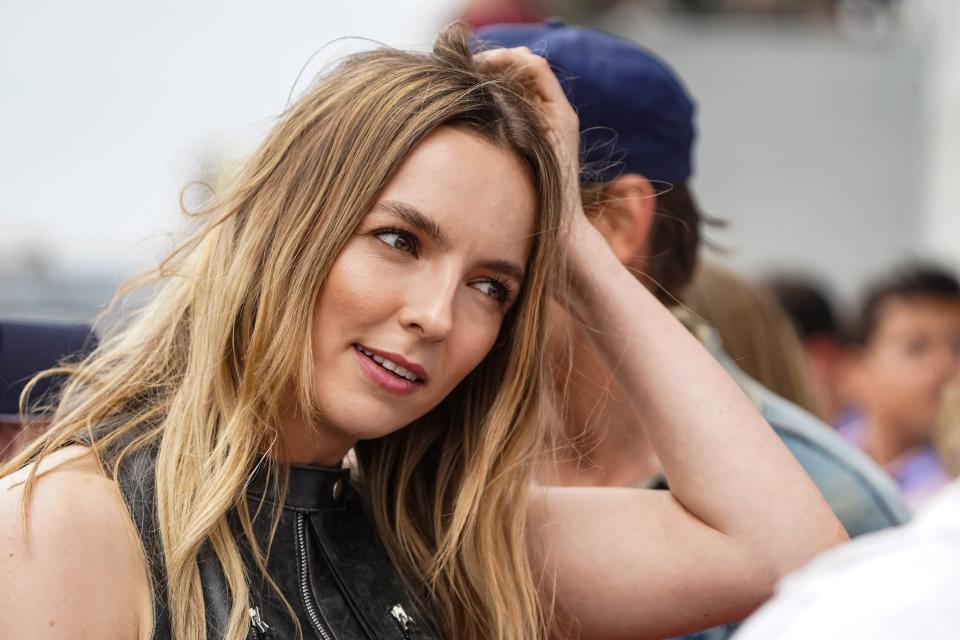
(755, 331)
(198, 370)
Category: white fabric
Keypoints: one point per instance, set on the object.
(891, 585)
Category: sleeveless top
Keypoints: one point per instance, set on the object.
(325, 557)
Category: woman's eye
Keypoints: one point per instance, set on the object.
(398, 240)
(493, 289)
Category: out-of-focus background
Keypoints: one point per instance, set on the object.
(829, 131)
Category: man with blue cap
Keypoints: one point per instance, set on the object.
(637, 123)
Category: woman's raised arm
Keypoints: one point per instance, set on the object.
(741, 512)
(629, 563)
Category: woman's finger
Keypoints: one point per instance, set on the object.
(562, 121)
(537, 72)
(534, 67)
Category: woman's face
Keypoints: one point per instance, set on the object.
(416, 298)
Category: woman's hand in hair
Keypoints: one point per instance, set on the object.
(631, 563)
(584, 242)
(563, 125)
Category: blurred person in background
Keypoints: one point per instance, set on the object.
(482, 13)
(825, 344)
(908, 336)
(650, 218)
(755, 332)
(946, 433)
(479, 13)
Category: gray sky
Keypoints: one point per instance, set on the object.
(107, 108)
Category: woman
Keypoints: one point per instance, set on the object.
(755, 331)
(377, 279)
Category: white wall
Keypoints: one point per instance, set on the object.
(938, 23)
(107, 108)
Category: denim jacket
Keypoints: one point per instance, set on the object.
(861, 494)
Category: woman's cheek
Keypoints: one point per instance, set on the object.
(474, 344)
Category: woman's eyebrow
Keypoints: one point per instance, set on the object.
(415, 218)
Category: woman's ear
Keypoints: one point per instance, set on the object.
(625, 216)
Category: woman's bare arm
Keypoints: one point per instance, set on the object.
(741, 511)
(79, 573)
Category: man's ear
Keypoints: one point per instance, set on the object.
(625, 215)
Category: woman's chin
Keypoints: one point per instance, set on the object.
(363, 407)
(372, 432)
(367, 420)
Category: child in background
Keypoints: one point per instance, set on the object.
(909, 350)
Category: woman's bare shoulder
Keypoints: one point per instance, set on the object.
(73, 567)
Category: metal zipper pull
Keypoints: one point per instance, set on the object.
(404, 621)
(259, 630)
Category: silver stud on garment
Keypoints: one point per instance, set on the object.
(337, 490)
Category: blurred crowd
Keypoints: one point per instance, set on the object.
(886, 375)
(483, 12)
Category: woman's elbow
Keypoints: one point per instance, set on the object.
(806, 543)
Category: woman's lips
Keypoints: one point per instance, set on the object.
(385, 379)
(398, 364)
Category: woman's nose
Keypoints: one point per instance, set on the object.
(429, 307)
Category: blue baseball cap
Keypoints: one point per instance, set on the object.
(633, 109)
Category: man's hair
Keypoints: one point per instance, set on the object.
(807, 304)
(910, 282)
(674, 242)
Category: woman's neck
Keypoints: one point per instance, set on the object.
(311, 443)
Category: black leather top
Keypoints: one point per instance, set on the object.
(325, 557)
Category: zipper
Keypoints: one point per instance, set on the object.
(312, 612)
(258, 628)
(403, 621)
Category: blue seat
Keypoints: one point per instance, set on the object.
(26, 348)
